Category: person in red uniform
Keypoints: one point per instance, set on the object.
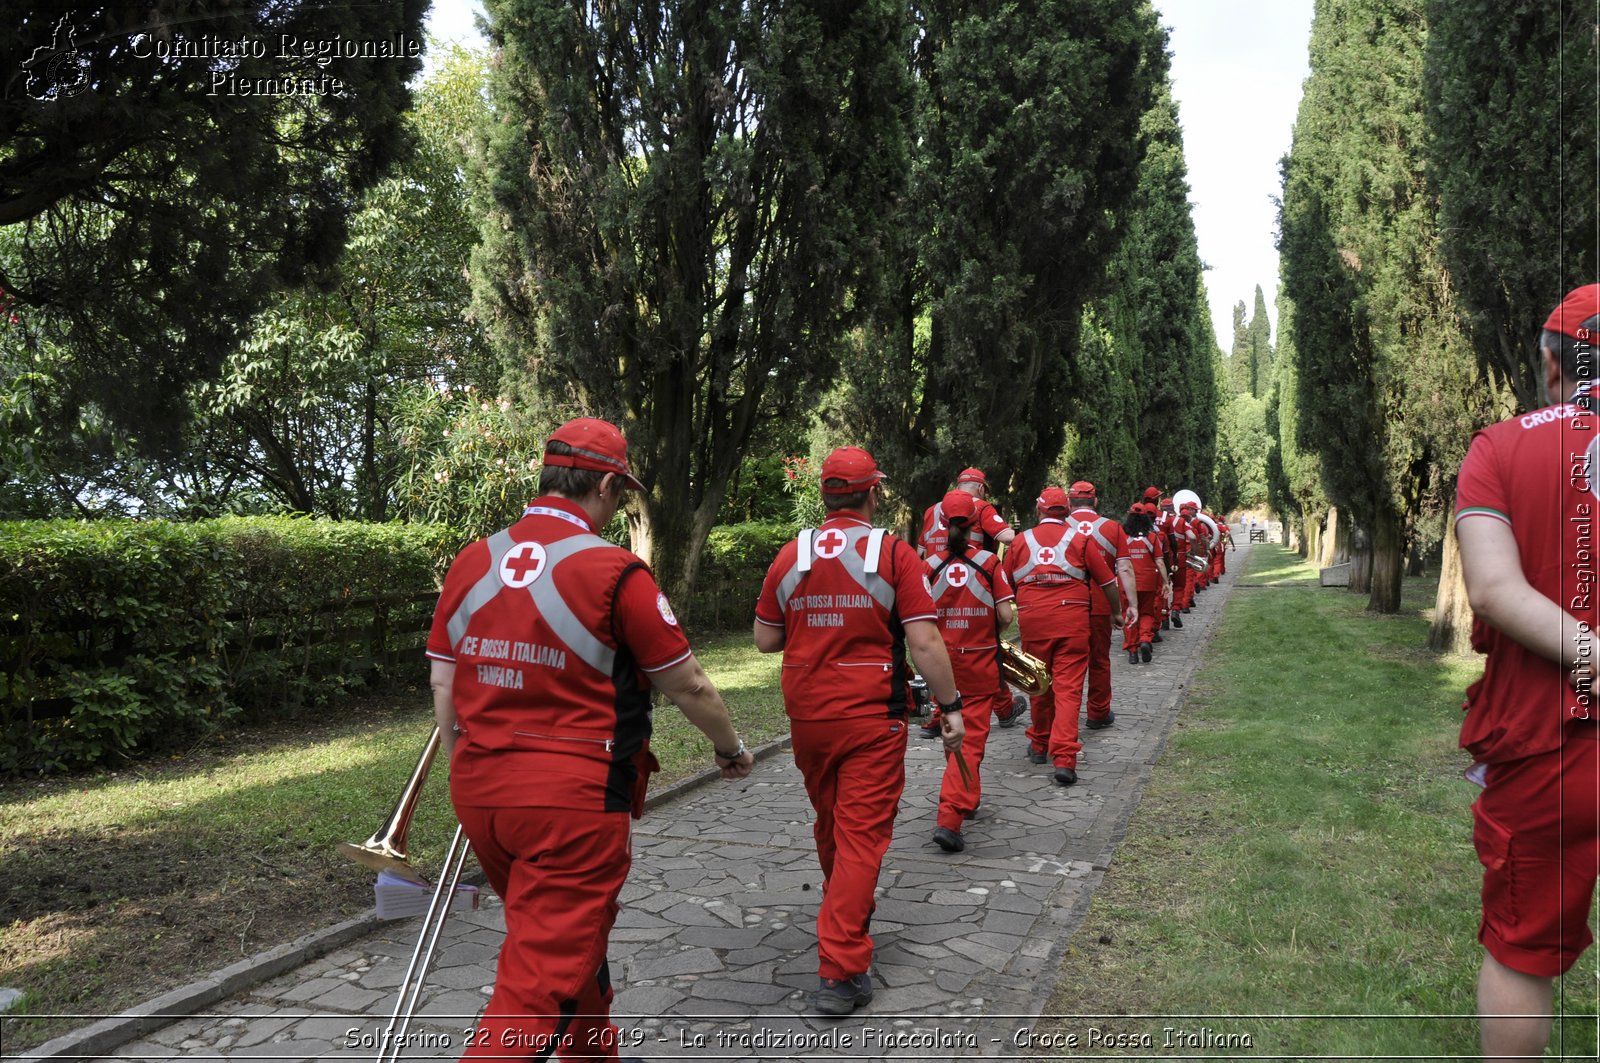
(1147, 554)
(545, 645)
(1054, 571)
(844, 602)
(1183, 586)
(1178, 561)
(973, 597)
(1526, 504)
(991, 528)
(992, 532)
(1108, 536)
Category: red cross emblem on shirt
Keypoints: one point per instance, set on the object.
(956, 575)
(1047, 555)
(830, 543)
(522, 564)
(1085, 527)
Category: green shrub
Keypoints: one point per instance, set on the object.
(117, 636)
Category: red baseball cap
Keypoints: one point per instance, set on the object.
(1189, 506)
(1152, 493)
(1082, 489)
(595, 445)
(958, 507)
(972, 476)
(1052, 499)
(1165, 502)
(852, 465)
(1580, 310)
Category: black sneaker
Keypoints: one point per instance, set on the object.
(1166, 625)
(1096, 725)
(1177, 621)
(1156, 635)
(1066, 776)
(948, 840)
(842, 996)
(1019, 705)
(1144, 652)
(1133, 656)
(931, 730)
(1037, 756)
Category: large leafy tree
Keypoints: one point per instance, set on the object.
(1376, 339)
(1010, 224)
(159, 192)
(683, 211)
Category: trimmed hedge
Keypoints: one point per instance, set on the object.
(117, 636)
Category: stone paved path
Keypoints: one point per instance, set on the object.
(715, 948)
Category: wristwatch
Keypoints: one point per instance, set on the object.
(954, 706)
(735, 755)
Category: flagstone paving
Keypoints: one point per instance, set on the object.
(715, 948)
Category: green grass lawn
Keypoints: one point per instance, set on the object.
(1301, 869)
(119, 885)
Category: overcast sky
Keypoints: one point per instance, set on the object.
(1237, 70)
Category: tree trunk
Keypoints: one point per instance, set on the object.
(1388, 561)
(1452, 613)
(1335, 539)
(1416, 563)
(670, 537)
(1311, 538)
(1360, 557)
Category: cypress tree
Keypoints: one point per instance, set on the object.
(684, 213)
(1260, 347)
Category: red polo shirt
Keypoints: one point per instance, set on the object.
(1112, 541)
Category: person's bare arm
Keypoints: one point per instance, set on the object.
(1004, 613)
(769, 639)
(687, 686)
(441, 677)
(1501, 596)
(928, 652)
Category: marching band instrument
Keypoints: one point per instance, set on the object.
(409, 992)
(386, 849)
(1023, 670)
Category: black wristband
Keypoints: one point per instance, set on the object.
(735, 755)
(954, 707)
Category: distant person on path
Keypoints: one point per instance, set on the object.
(1147, 552)
(1055, 572)
(844, 602)
(545, 645)
(973, 597)
(1526, 505)
(990, 532)
(1107, 536)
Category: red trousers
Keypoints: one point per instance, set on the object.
(559, 871)
(855, 772)
(978, 682)
(1183, 585)
(1099, 666)
(1149, 621)
(1053, 716)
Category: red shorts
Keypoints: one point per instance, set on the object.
(1536, 827)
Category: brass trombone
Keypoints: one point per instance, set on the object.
(386, 849)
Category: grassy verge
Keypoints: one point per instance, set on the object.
(122, 884)
(1301, 870)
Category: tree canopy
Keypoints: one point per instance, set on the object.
(159, 180)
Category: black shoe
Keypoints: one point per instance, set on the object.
(842, 996)
(1187, 608)
(1133, 656)
(1177, 621)
(1156, 636)
(931, 730)
(1036, 756)
(1166, 625)
(1144, 652)
(1066, 776)
(1096, 725)
(948, 840)
(1019, 705)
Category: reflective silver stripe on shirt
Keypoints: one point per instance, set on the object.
(552, 608)
(1094, 531)
(853, 562)
(974, 583)
(1022, 574)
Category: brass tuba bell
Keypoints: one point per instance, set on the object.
(1023, 670)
